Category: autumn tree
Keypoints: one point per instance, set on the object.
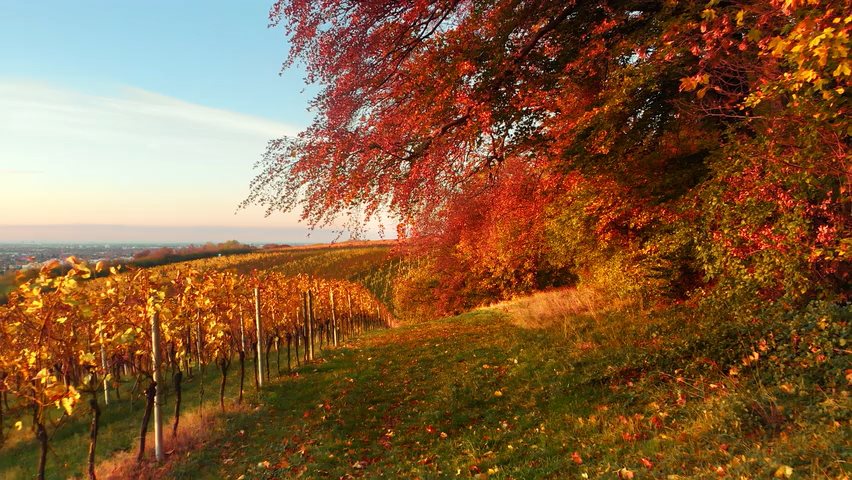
(703, 142)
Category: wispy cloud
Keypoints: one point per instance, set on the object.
(19, 172)
(126, 157)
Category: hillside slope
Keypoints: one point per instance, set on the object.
(476, 396)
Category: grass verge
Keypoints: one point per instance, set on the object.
(623, 396)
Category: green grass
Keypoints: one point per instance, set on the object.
(370, 265)
(420, 402)
(667, 394)
(120, 422)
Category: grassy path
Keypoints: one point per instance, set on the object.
(473, 396)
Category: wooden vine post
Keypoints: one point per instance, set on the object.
(259, 336)
(158, 399)
(351, 322)
(106, 372)
(310, 318)
(242, 355)
(333, 317)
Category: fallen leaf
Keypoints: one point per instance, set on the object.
(784, 471)
(576, 458)
(625, 474)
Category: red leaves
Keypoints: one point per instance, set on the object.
(475, 126)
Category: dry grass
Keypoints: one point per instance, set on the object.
(343, 244)
(553, 308)
(196, 428)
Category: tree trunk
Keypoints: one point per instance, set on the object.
(188, 352)
(268, 348)
(289, 341)
(150, 392)
(41, 436)
(178, 379)
(224, 364)
(93, 434)
(2, 438)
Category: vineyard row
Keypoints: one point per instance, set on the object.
(63, 337)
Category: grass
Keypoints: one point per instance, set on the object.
(366, 263)
(546, 386)
(476, 396)
(119, 426)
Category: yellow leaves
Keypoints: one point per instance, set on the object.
(44, 376)
(35, 305)
(32, 357)
(688, 84)
(47, 267)
(740, 18)
(67, 404)
(784, 471)
(87, 358)
(129, 335)
(498, 393)
(843, 69)
(806, 75)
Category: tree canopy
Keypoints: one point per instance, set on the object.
(685, 145)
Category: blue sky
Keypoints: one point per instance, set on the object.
(141, 114)
(215, 53)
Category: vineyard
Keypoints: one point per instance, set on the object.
(73, 340)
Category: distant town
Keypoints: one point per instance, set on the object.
(20, 256)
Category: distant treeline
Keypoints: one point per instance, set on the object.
(165, 255)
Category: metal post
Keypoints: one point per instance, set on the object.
(158, 399)
(106, 373)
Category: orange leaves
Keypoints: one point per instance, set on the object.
(625, 474)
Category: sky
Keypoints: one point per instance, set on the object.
(142, 119)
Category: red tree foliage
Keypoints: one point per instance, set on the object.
(707, 131)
